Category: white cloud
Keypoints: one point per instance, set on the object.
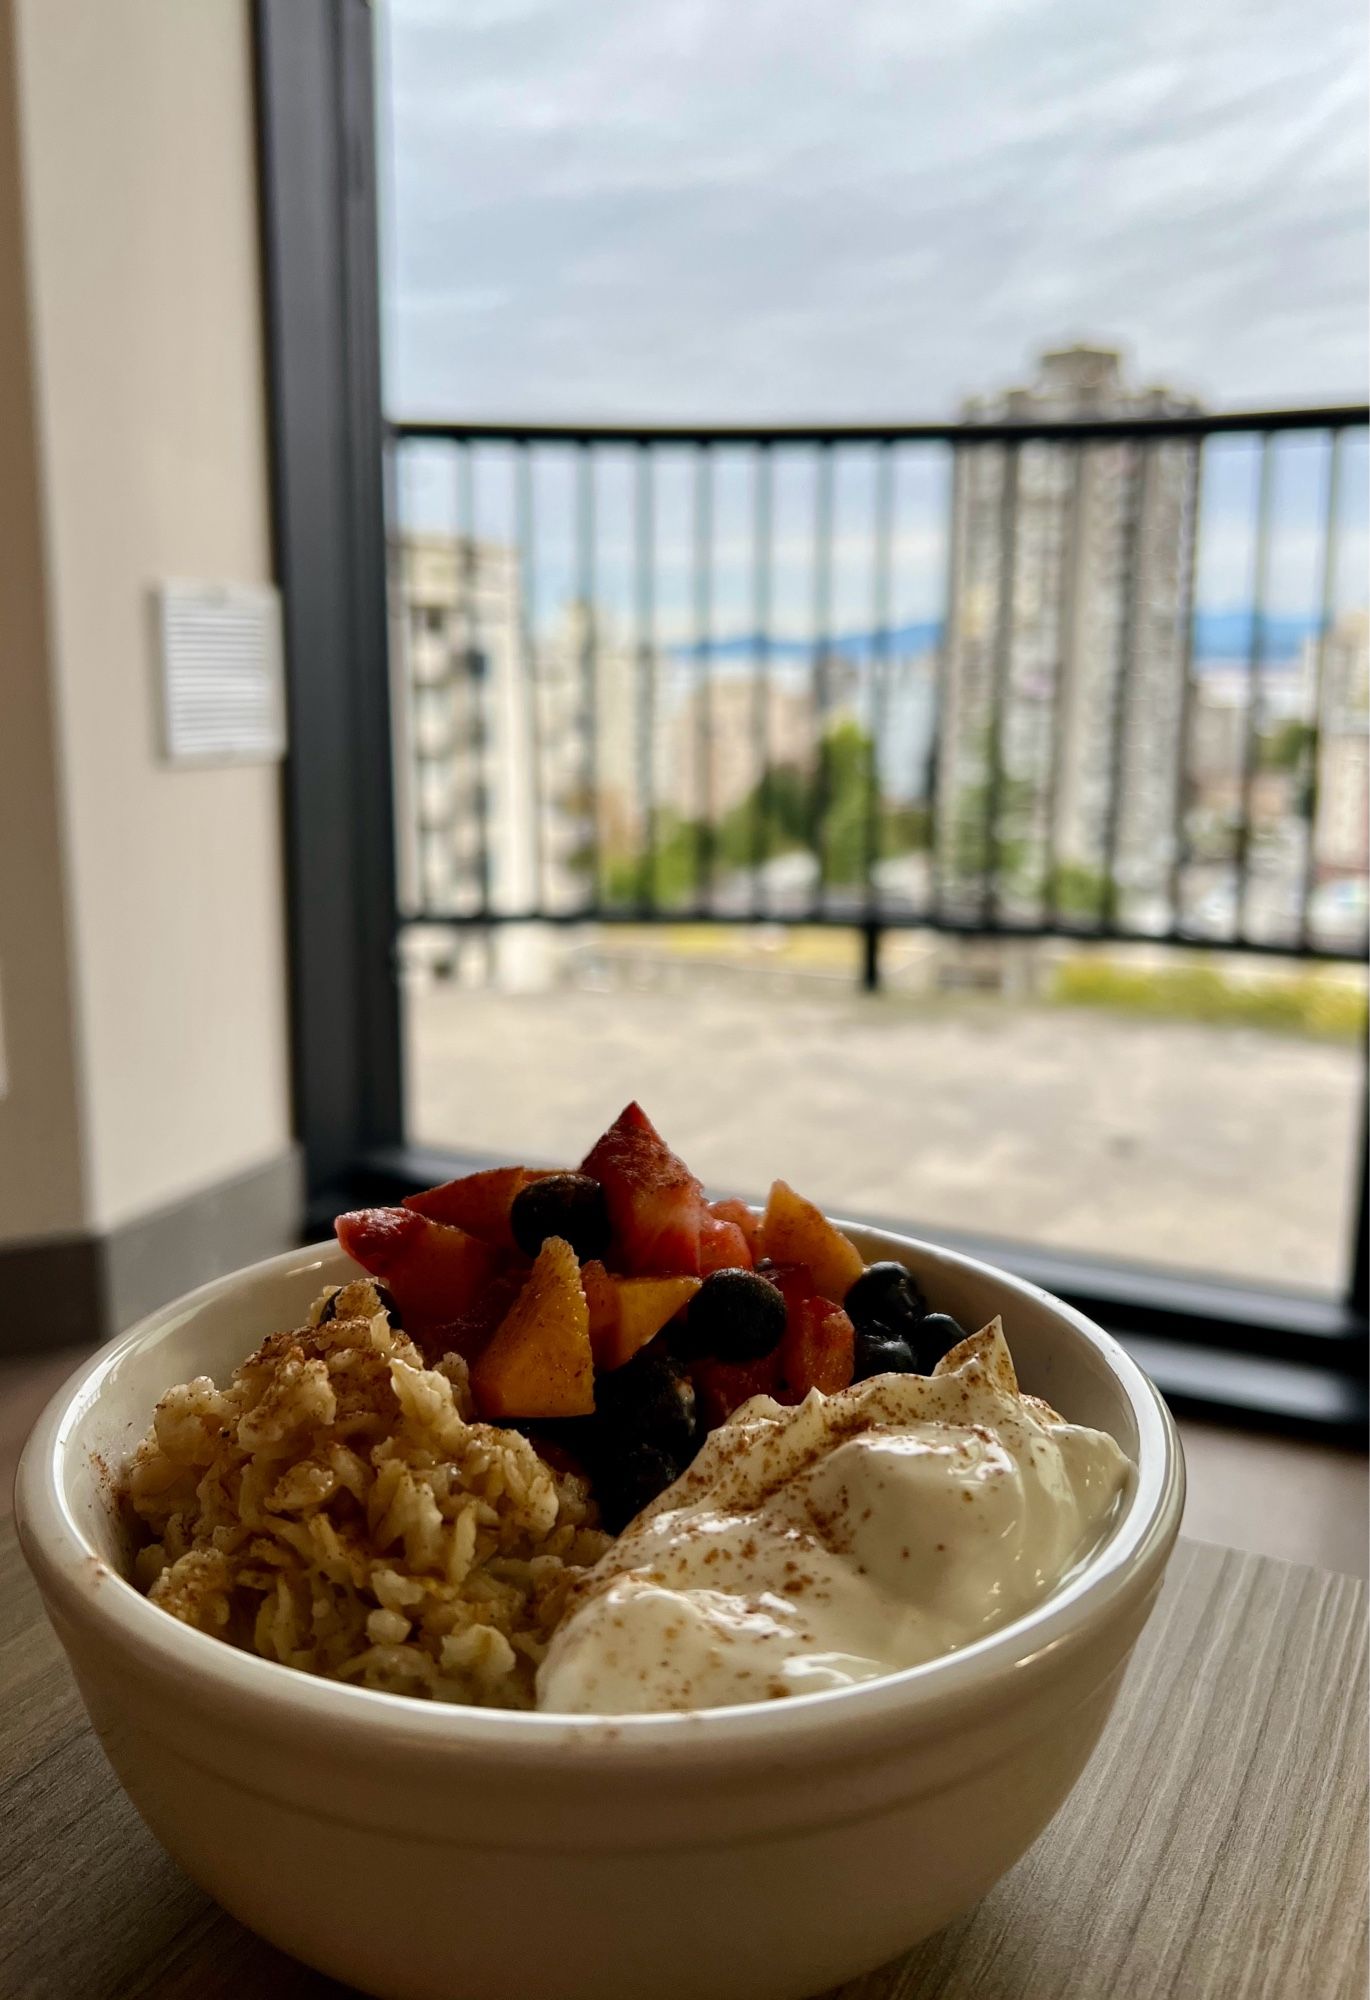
(692, 208)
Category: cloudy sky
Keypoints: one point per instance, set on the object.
(834, 209)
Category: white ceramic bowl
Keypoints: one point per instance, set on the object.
(425, 1852)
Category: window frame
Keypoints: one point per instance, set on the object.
(1245, 1354)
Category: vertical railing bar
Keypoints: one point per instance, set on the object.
(822, 640)
(704, 679)
(1255, 685)
(645, 557)
(1139, 456)
(1003, 657)
(881, 619)
(527, 642)
(589, 660)
(399, 617)
(763, 469)
(1331, 530)
(1189, 611)
(937, 742)
(1062, 682)
(474, 682)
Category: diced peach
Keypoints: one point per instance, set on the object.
(435, 1272)
(601, 1300)
(625, 1313)
(793, 1231)
(539, 1362)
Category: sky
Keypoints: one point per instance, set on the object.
(835, 210)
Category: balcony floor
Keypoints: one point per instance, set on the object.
(1210, 1148)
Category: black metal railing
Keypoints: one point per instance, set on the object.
(1098, 679)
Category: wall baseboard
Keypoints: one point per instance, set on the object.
(79, 1291)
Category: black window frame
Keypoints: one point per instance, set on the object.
(1250, 1354)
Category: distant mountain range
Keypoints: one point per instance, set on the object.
(1219, 636)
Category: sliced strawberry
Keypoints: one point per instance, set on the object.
(817, 1351)
(478, 1203)
(469, 1333)
(655, 1203)
(436, 1273)
(738, 1212)
(724, 1386)
(722, 1246)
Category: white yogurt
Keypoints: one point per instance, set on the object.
(859, 1533)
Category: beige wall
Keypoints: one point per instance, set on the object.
(40, 1135)
(136, 130)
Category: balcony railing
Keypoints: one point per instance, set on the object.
(1099, 679)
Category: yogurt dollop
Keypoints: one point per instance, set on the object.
(822, 1545)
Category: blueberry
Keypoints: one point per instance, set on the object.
(882, 1354)
(391, 1310)
(886, 1300)
(735, 1315)
(572, 1206)
(627, 1480)
(937, 1334)
(384, 1296)
(650, 1400)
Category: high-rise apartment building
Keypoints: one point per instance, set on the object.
(1067, 606)
(513, 747)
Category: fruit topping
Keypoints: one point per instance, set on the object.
(478, 1203)
(724, 1386)
(793, 1231)
(656, 1205)
(538, 1362)
(817, 1351)
(571, 1206)
(434, 1272)
(723, 1246)
(882, 1354)
(938, 1333)
(625, 1313)
(886, 1300)
(651, 1399)
(735, 1315)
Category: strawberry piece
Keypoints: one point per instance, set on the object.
(539, 1363)
(724, 1386)
(478, 1203)
(436, 1273)
(738, 1212)
(469, 1333)
(793, 1231)
(656, 1205)
(817, 1351)
(722, 1246)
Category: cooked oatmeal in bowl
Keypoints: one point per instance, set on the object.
(335, 1508)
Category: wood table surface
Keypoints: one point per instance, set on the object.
(1215, 1849)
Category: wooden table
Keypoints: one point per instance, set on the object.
(1214, 1850)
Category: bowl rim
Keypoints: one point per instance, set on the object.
(1125, 1568)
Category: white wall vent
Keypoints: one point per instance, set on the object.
(222, 689)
